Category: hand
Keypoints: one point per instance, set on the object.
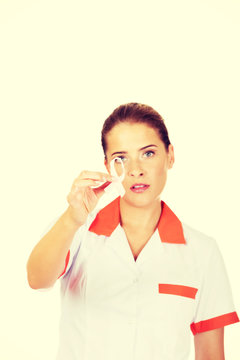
(84, 194)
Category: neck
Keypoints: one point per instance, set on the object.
(140, 217)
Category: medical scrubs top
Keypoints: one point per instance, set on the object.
(116, 308)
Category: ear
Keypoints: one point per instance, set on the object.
(171, 157)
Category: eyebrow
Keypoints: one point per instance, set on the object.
(125, 152)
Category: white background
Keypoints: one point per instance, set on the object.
(64, 66)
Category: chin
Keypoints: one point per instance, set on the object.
(141, 202)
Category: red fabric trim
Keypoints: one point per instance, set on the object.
(66, 263)
(180, 290)
(107, 219)
(214, 323)
(170, 227)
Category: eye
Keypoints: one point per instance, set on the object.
(149, 153)
(123, 158)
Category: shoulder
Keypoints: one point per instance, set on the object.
(195, 237)
(201, 245)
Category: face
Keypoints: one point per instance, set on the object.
(145, 159)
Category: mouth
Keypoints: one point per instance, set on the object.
(139, 188)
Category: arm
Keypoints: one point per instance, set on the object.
(209, 345)
(214, 307)
(47, 259)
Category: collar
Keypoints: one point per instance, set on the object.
(169, 227)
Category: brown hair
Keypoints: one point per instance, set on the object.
(136, 113)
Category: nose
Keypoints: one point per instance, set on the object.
(135, 169)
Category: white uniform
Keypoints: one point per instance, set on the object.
(124, 309)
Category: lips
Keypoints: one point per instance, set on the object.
(139, 188)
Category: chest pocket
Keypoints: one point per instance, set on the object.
(179, 290)
(175, 304)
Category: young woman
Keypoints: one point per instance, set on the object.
(146, 280)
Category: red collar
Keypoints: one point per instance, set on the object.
(169, 226)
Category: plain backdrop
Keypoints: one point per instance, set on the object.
(64, 66)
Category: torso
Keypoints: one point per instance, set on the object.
(137, 239)
(139, 224)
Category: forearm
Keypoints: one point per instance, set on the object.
(47, 259)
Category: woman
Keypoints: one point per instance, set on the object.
(145, 278)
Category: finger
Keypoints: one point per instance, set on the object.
(90, 199)
(101, 187)
(81, 184)
(99, 191)
(100, 176)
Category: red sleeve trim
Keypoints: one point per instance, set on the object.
(180, 290)
(214, 323)
(66, 264)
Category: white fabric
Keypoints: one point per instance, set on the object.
(121, 315)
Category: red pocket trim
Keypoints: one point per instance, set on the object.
(180, 290)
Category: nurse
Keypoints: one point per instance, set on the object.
(146, 279)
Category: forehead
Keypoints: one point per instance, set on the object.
(132, 134)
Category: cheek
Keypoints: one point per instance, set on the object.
(159, 169)
(120, 169)
(159, 173)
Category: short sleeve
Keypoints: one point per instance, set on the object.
(73, 251)
(214, 302)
